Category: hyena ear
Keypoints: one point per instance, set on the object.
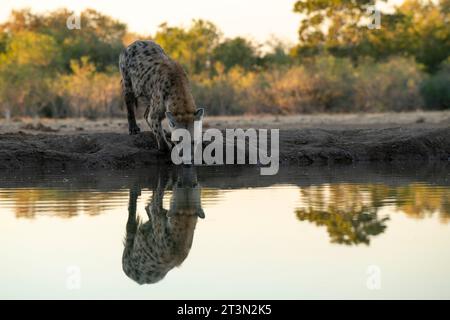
(171, 119)
(199, 113)
(201, 213)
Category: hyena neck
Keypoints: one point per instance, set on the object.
(180, 101)
(182, 229)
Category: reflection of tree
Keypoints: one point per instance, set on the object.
(350, 212)
(66, 203)
(421, 201)
(62, 203)
(344, 211)
(211, 196)
(347, 228)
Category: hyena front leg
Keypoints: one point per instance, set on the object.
(157, 215)
(158, 191)
(154, 122)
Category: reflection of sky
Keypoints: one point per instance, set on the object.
(250, 245)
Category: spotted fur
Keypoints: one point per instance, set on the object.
(152, 79)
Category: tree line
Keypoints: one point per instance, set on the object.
(338, 64)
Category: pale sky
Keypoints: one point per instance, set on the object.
(255, 19)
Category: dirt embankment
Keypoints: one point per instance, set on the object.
(299, 147)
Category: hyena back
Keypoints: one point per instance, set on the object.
(151, 78)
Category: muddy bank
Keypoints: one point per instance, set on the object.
(302, 147)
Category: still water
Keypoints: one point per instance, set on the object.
(326, 232)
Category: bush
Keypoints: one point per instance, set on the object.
(87, 93)
(436, 90)
(322, 84)
(333, 81)
(393, 85)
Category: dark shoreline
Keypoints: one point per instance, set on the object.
(298, 147)
(233, 177)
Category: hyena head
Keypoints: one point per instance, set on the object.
(186, 194)
(189, 122)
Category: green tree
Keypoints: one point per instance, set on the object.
(416, 28)
(277, 55)
(426, 31)
(332, 25)
(236, 52)
(100, 36)
(192, 47)
(26, 70)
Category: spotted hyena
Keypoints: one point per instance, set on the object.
(163, 242)
(152, 79)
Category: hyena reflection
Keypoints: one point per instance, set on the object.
(153, 248)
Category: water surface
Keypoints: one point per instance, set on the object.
(328, 232)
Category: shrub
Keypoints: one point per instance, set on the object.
(393, 85)
(436, 90)
(332, 84)
(87, 93)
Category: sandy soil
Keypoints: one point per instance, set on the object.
(419, 119)
(304, 140)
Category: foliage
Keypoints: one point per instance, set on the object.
(236, 52)
(88, 93)
(323, 84)
(418, 28)
(332, 25)
(100, 37)
(392, 85)
(338, 65)
(436, 89)
(351, 213)
(192, 47)
(28, 54)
